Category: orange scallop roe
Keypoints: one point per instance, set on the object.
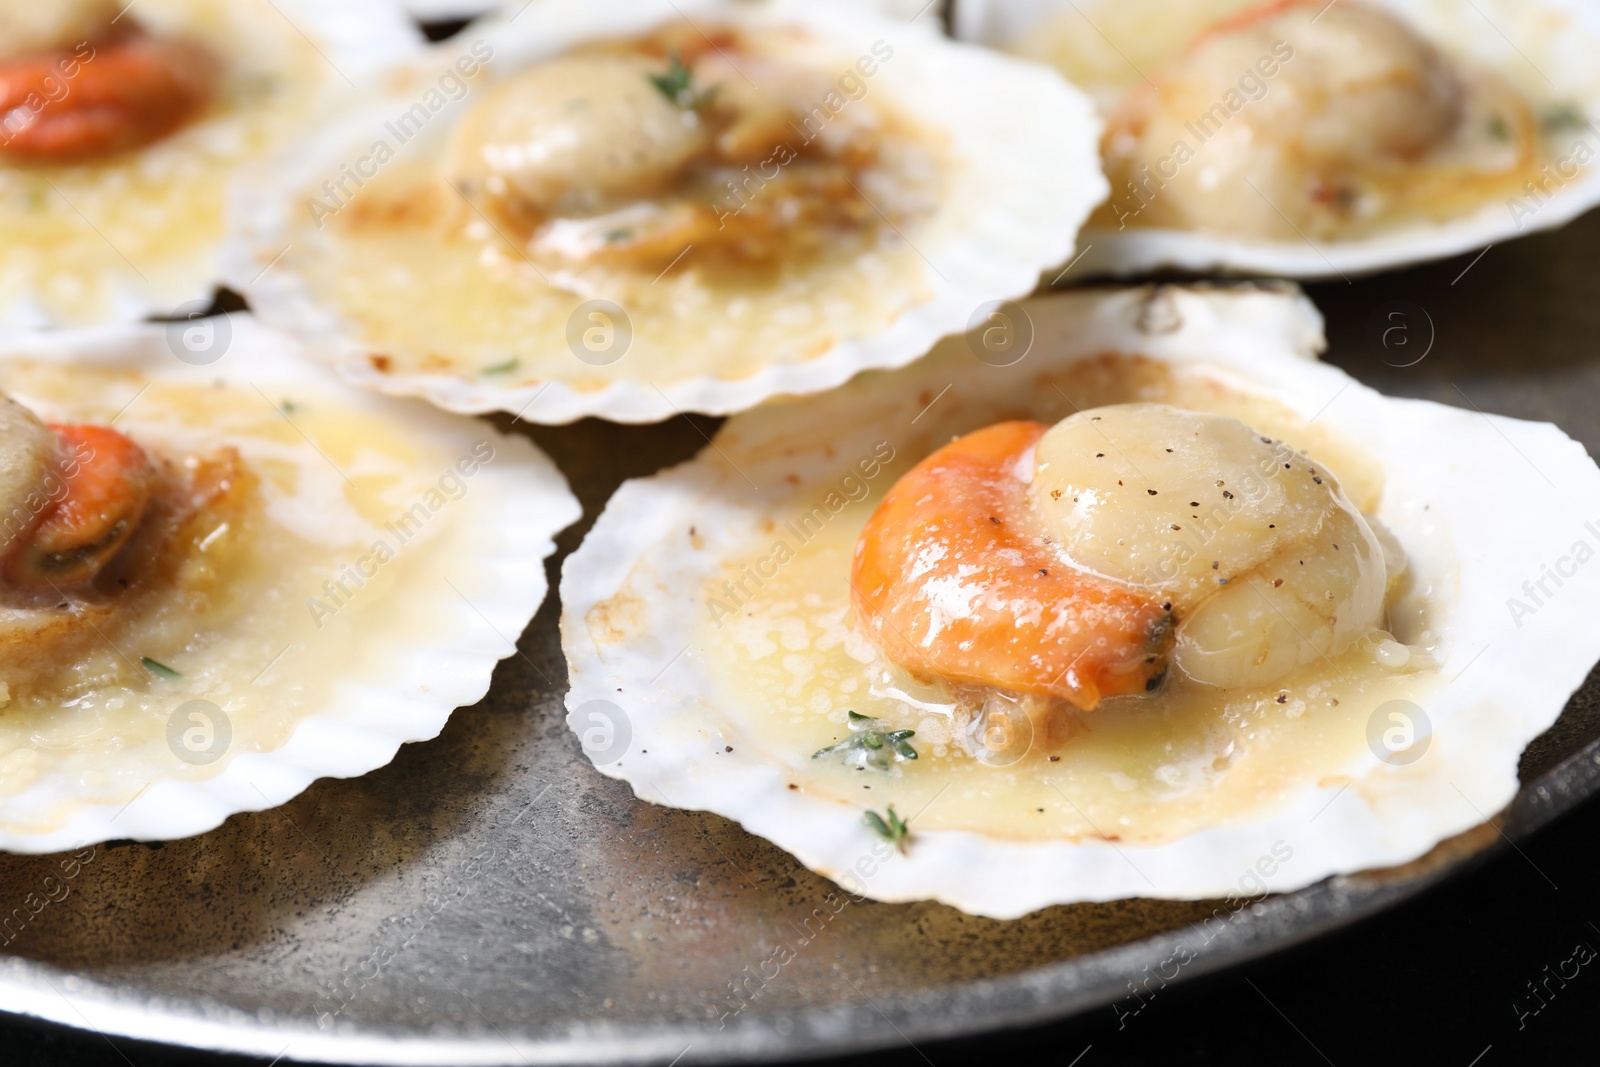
(101, 99)
(109, 481)
(952, 583)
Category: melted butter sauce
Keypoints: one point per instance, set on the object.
(788, 663)
(262, 650)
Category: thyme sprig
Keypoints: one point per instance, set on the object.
(870, 745)
(160, 670)
(1563, 116)
(893, 829)
(677, 85)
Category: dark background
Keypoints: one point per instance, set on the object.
(1432, 981)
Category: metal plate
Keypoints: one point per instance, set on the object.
(489, 898)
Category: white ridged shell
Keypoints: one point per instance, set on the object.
(1504, 497)
(515, 507)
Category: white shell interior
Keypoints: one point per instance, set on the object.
(1481, 503)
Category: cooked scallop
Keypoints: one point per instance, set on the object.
(122, 125)
(222, 579)
(1312, 139)
(1121, 618)
(1281, 571)
(641, 208)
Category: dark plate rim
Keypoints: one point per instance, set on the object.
(1044, 994)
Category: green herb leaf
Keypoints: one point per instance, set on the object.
(1563, 117)
(287, 406)
(870, 745)
(674, 84)
(1498, 129)
(503, 368)
(160, 670)
(613, 236)
(893, 829)
(677, 85)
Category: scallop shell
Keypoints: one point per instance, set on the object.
(1542, 47)
(1013, 206)
(442, 10)
(500, 532)
(121, 252)
(1480, 503)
